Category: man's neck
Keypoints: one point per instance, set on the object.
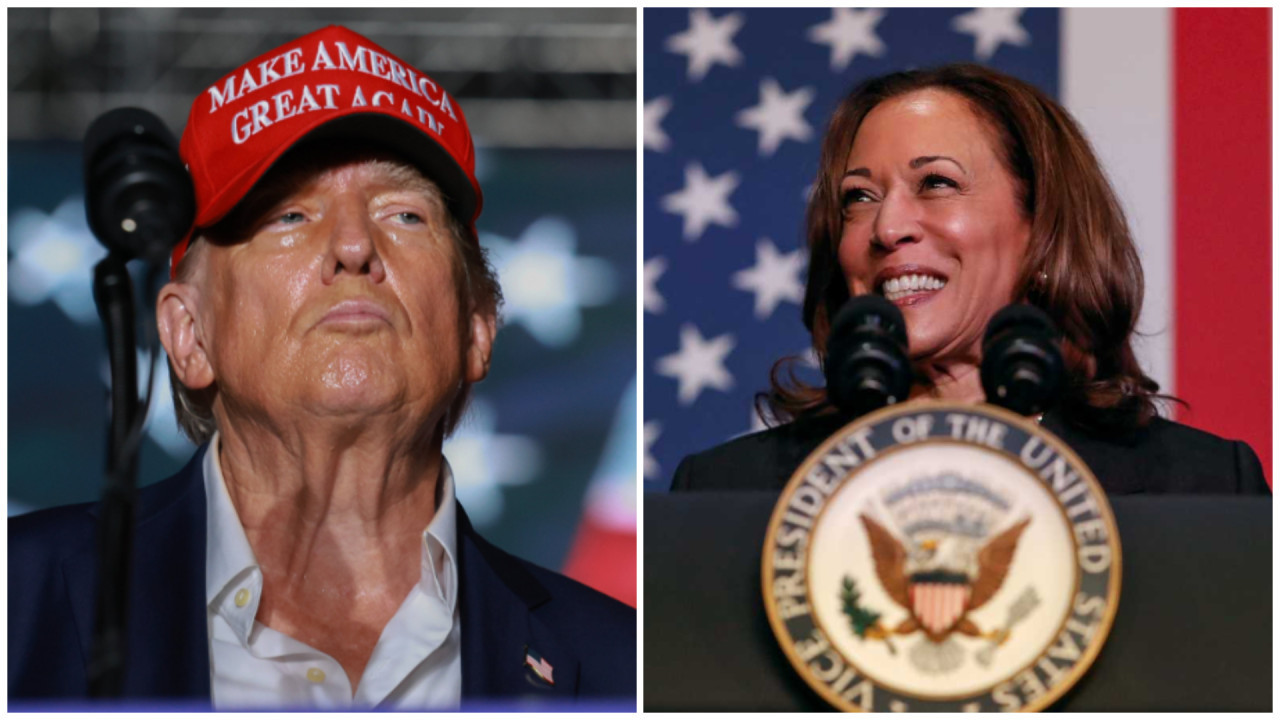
(336, 530)
(334, 514)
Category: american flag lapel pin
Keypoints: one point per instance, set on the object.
(538, 664)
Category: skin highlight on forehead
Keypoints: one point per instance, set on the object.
(933, 105)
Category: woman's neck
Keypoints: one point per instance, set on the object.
(955, 382)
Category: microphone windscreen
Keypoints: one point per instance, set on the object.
(1028, 317)
(123, 123)
(869, 310)
(139, 198)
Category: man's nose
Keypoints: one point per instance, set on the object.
(353, 246)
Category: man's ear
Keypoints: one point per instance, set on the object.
(483, 329)
(176, 320)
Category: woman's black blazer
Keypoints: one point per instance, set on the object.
(1164, 457)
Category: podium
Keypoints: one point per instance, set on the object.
(1192, 632)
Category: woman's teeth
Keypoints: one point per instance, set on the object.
(905, 285)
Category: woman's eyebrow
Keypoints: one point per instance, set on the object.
(915, 164)
(923, 160)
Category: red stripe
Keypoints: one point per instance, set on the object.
(1222, 221)
(605, 559)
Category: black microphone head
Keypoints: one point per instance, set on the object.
(139, 198)
(112, 125)
(1028, 318)
(1022, 367)
(870, 312)
(866, 365)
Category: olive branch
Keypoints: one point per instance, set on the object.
(865, 622)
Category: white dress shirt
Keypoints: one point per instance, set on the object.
(417, 663)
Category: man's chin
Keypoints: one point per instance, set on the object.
(366, 399)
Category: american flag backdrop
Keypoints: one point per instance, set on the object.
(1176, 103)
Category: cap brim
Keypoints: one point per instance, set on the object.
(381, 130)
(415, 146)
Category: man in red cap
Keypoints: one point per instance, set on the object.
(326, 318)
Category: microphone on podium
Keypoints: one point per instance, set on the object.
(866, 364)
(1022, 365)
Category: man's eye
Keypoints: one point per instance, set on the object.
(410, 218)
(291, 218)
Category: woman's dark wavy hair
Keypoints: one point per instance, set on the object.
(1079, 239)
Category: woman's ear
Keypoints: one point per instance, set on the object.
(178, 324)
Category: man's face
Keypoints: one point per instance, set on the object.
(339, 301)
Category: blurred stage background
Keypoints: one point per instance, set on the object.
(545, 461)
(1176, 103)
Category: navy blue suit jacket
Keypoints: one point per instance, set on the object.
(506, 605)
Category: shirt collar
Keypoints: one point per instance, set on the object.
(231, 564)
(439, 544)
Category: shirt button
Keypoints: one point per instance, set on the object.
(242, 597)
(315, 675)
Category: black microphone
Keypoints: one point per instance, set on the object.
(1022, 365)
(138, 195)
(140, 202)
(867, 366)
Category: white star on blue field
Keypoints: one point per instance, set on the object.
(545, 282)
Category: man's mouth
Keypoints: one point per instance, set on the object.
(905, 286)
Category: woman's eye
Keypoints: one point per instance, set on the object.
(855, 195)
(934, 182)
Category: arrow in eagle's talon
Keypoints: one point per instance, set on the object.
(1020, 609)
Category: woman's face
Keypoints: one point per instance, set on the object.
(932, 220)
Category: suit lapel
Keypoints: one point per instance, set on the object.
(167, 640)
(168, 646)
(498, 598)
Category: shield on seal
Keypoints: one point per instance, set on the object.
(939, 602)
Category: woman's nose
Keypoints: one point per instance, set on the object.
(896, 222)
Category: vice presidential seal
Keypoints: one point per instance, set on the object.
(941, 557)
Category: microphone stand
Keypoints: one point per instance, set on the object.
(139, 201)
(113, 294)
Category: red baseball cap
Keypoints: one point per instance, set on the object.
(332, 83)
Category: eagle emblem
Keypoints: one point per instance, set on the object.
(939, 575)
(941, 557)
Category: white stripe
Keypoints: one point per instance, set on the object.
(1117, 81)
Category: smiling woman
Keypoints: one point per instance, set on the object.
(954, 192)
(901, 189)
(979, 182)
